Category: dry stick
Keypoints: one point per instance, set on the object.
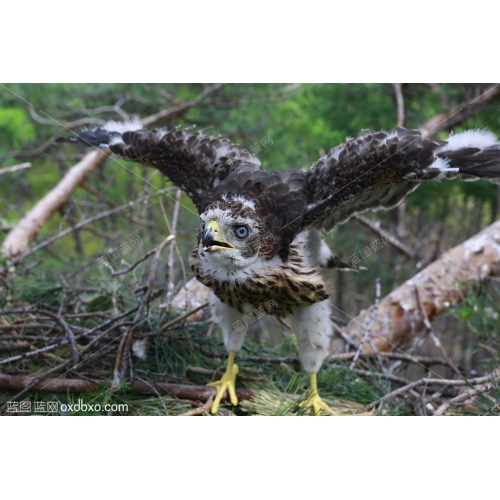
(65, 341)
(174, 322)
(69, 332)
(198, 411)
(388, 376)
(462, 397)
(430, 381)
(430, 331)
(181, 391)
(156, 392)
(132, 266)
(175, 247)
(367, 332)
(451, 118)
(15, 168)
(20, 345)
(492, 409)
(19, 326)
(124, 349)
(168, 114)
(34, 152)
(170, 324)
(398, 89)
(32, 382)
(31, 224)
(96, 232)
(85, 185)
(170, 263)
(380, 232)
(81, 224)
(68, 125)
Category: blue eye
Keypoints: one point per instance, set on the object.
(241, 231)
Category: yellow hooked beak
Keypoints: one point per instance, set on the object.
(211, 239)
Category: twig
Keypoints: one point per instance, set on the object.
(388, 376)
(170, 263)
(81, 224)
(492, 409)
(34, 152)
(101, 196)
(124, 349)
(451, 118)
(380, 232)
(65, 341)
(181, 391)
(168, 114)
(15, 168)
(367, 331)
(200, 410)
(398, 89)
(33, 382)
(67, 125)
(132, 266)
(430, 381)
(463, 397)
(432, 334)
(69, 332)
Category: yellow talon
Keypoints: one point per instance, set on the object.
(226, 383)
(314, 400)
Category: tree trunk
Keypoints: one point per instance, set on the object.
(436, 288)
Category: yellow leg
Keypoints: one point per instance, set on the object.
(314, 400)
(226, 383)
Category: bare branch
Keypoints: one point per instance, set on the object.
(168, 114)
(449, 119)
(29, 226)
(181, 391)
(430, 381)
(398, 89)
(380, 232)
(15, 168)
(66, 125)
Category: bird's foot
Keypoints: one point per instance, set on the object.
(226, 384)
(314, 401)
(317, 405)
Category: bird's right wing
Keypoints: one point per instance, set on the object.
(193, 161)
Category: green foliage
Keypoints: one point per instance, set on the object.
(15, 128)
(40, 292)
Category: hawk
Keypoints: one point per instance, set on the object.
(259, 244)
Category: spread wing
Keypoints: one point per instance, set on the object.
(193, 161)
(377, 170)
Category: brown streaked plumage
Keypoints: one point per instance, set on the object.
(259, 242)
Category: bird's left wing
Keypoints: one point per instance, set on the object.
(378, 169)
(193, 161)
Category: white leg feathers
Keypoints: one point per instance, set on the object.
(230, 321)
(313, 327)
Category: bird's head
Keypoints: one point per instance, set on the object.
(230, 234)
